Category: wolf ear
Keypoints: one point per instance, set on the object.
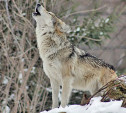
(65, 28)
(60, 25)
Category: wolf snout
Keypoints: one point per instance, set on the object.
(36, 13)
(37, 8)
(38, 5)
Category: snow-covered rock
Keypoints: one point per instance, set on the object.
(95, 106)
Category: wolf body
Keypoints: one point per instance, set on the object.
(65, 64)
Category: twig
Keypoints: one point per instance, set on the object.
(12, 31)
(78, 12)
(89, 38)
(104, 87)
(14, 110)
(26, 20)
(24, 52)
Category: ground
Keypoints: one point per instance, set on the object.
(95, 106)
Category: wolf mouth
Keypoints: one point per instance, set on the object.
(36, 10)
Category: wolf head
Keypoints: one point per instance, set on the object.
(44, 18)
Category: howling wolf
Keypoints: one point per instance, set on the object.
(65, 64)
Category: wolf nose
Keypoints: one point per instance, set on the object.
(38, 5)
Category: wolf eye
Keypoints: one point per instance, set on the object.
(52, 14)
(49, 13)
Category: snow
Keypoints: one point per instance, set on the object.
(33, 70)
(25, 70)
(101, 33)
(20, 77)
(12, 96)
(5, 81)
(6, 110)
(123, 78)
(50, 90)
(78, 29)
(107, 20)
(95, 106)
(83, 29)
(23, 14)
(22, 59)
(84, 34)
(27, 87)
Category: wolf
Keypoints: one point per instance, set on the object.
(65, 64)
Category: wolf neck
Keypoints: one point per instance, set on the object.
(51, 42)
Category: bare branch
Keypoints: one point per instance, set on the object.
(86, 11)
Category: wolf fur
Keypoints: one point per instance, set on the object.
(65, 64)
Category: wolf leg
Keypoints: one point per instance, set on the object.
(96, 87)
(66, 91)
(55, 91)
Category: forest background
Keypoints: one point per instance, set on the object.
(97, 26)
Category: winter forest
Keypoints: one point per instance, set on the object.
(97, 26)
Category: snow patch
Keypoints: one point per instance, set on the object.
(25, 70)
(20, 77)
(95, 106)
(22, 59)
(123, 78)
(107, 20)
(33, 70)
(11, 97)
(6, 110)
(5, 80)
(78, 29)
(101, 33)
(27, 87)
(49, 89)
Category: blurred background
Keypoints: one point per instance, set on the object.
(97, 26)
